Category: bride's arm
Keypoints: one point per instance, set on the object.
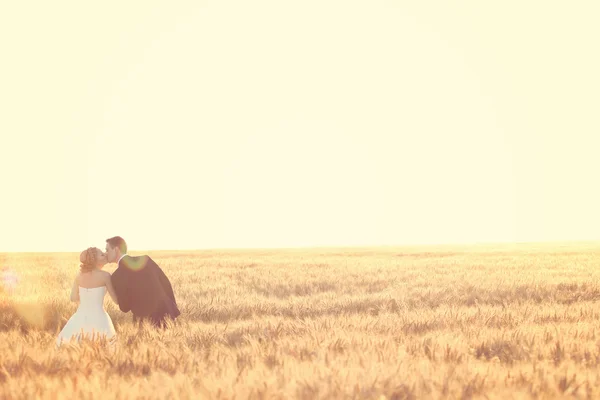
(111, 290)
(75, 290)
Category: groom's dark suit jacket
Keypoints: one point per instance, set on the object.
(143, 288)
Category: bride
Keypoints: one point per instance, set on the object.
(89, 288)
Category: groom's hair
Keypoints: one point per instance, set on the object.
(119, 242)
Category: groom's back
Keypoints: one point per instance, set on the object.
(137, 285)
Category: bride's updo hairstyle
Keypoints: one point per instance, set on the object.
(89, 259)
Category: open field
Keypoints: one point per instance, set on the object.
(497, 322)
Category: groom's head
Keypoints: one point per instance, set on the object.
(115, 248)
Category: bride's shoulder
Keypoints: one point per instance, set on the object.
(105, 274)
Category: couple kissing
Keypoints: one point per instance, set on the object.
(138, 285)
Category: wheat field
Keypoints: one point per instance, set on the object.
(494, 322)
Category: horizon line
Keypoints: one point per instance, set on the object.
(304, 247)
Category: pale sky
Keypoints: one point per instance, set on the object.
(188, 125)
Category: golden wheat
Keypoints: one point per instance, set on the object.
(397, 323)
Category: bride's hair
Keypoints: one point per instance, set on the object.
(88, 259)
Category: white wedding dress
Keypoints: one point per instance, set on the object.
(91, 318)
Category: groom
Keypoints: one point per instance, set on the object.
(141, 286)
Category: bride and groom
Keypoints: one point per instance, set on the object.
(138, 285)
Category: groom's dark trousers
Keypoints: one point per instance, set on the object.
(143, 288)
